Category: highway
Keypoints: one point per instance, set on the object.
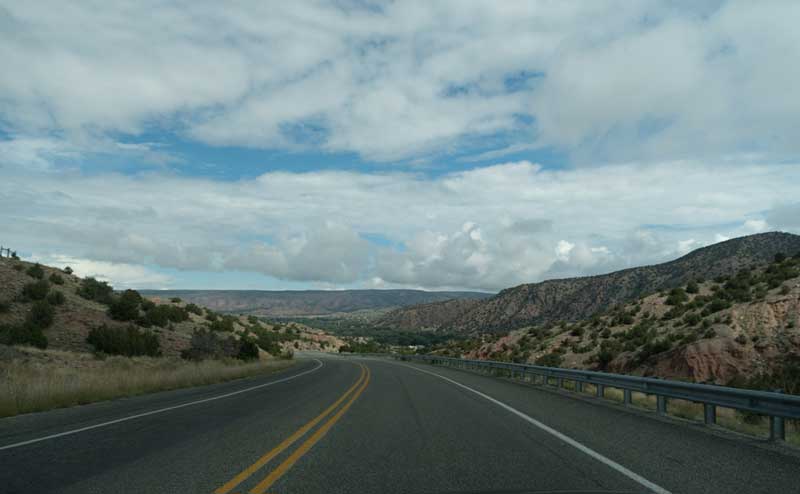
(361, 425)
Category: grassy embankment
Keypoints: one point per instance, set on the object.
(48, 380)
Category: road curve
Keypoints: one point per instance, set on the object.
(352, 425)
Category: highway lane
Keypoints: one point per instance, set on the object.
(367, 425)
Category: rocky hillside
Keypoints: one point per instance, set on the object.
(49, 307)
(306, 303)
(425, 317)
(720, 330)
(575, 299)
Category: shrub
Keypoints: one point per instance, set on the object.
(741, 339)
(56, 279)
(692, 319)
(780, 257)
(785, 290)
(18, 267)
(717, 305)
(248, 350)
(68, 270)
(56, 298)
(5, 306)
(605, 333)
(175, 300)
(692, 287)
(223, 324)
(41, 314)
(550, 360)
(36, 290)
(22, 334)
(194, 309)
(147, 304)
(99, 291)
(608, 352)
(126, 306)
(36, 271)
(205, 345)
(129, 341)
(676, 297)
(160, 315)
(252, 319)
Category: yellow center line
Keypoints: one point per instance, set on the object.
(247, 472)
(307, 445)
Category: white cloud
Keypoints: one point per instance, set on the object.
(605, 80)
(486, 228)
(756, 226)
(720, 238)
(121, 275)
(563, 250)
(685, 246)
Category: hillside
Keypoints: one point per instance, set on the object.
(51, 308)
(306, 303)
(575, 299)
(727, 330)
(425, 317)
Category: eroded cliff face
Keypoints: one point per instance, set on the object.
(695, 338)
(760, 337)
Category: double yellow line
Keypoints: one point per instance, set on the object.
(353, 393)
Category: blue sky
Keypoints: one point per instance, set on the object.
(447, 145)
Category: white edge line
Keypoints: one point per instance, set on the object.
(160, 410)
(575, 444)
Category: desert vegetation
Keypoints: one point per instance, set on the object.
(66, 340)
(753, 312)
(54, 379)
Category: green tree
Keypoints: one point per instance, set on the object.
(128, 341)
(248, 350)
(99, 291)
(126, 306)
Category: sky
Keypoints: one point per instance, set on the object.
(356, 144)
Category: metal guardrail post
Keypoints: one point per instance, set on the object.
(709, 414)
(579, 386)
(777, 429)
(600, 390)
(661, 404)
(560, 382)
(626, 397)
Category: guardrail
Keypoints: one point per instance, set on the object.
(777, 406)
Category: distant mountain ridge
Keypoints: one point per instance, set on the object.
(297, 303)
(573, 299)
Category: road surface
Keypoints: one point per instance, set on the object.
(352, 425)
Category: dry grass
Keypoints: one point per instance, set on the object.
(31, 386)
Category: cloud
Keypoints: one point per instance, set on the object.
(647, 81)
(120, 274)
(784, 216)
(486, 228)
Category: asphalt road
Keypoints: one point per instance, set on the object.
(348, 425)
